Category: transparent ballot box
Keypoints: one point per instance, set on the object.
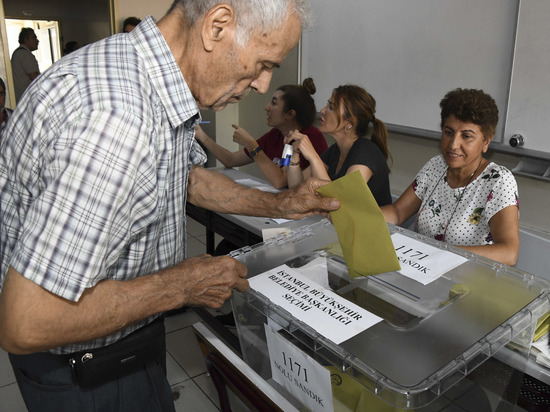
(461, 339)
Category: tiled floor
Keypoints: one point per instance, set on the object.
(192, 386)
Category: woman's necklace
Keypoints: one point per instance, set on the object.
(459, 198)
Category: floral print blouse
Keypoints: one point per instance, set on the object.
(461, 216)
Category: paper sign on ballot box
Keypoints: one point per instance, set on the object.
(299, 373)
(422, 262)
(328, 313)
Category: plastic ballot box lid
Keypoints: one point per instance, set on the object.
(431, 335)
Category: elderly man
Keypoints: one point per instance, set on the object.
(94, 180)
(24, 64)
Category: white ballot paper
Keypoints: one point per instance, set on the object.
(316, 270)
(541, 349)
(331, 315)
(299, 373)
(264, 187)
(422, 262)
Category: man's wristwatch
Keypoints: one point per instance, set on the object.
(254, 152)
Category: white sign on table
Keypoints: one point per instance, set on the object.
(328, 313)
(299, 373)
(422, 262)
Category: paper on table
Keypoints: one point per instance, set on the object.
(280, 221)
(264, 187)
(361, 228)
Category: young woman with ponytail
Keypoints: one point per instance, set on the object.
(347, 117)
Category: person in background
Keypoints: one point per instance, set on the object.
(291, 108)
(347, 116)
(70, 47)
(24, 65)
(94, 181)
(130, 24)
(5, 113)
(459, 197)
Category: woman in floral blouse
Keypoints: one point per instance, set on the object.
(459, 196)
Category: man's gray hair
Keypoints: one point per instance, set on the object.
(252, 15)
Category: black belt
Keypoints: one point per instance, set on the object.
(124, 357)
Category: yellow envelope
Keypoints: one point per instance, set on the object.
(361, 227)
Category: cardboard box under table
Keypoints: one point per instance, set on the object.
(462, 339)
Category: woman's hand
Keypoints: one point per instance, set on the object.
(242, 137)
(302, 145)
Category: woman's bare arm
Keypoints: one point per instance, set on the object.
(403, 208)
(228, 158)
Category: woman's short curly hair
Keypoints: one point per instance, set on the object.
(471, 105)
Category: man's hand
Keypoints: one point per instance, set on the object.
(207, 280)
(303, 200)
(33, 319)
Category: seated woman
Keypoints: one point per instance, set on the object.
(346, 117)
(290, 108)
(459, 196)
(5, 113)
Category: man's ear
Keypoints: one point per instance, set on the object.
(218, 23)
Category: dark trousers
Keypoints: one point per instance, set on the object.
(46, 384)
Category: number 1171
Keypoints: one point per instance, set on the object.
(294, 366)
(412, 253)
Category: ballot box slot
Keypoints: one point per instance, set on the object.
(386, 310)
(401, 301)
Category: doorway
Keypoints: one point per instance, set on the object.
(47, 31)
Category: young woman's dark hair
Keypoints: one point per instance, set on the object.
(298, 98)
